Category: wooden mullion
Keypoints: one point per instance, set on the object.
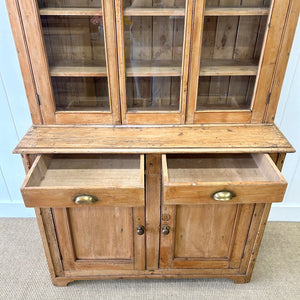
(186, 58)
(153, 198)
(108, 7)
(121, 57)
(195, 55)
(37, 54)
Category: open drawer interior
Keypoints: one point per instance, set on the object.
(195, 178)
(59, 178)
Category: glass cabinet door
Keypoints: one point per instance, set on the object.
(151, 39)
(232, 47)
(76, 51)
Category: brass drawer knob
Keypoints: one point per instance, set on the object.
(223, 195)
(166, 229)
(85, 199)
(140, 230)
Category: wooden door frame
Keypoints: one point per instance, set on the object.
(242, 221)
(73, 266)
(149, 117)
(36, 53)
(264, 78)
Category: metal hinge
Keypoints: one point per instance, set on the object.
(268, 98)
(38, 99)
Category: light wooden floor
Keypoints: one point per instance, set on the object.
(24, 274)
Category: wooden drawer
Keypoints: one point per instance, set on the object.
(55, 181)
(194, 179)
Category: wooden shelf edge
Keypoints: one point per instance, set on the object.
(148, 71)
(215, 138)
(236, 11)
(159, 12)
(70, 12)
(153, 12)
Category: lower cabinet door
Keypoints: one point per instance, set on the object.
(95, 239)
(204, 236)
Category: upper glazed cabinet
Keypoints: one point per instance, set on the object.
(152, 61)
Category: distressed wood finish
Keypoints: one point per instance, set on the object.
(213, 62)
(156, 139)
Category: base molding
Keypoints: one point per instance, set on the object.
(64, 281)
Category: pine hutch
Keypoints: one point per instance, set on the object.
(153, 152)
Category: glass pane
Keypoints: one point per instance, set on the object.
(230, 55)
(69, 3)
(80, 93)
(154, 3)
(153, 93)
(225, 92)
(235, 3)
(153, 48)
(75, 49)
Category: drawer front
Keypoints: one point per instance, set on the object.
(215, 179)
(81, 181)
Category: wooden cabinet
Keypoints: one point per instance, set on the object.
(153, 152)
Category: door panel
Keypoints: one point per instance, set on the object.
(199, 236)
(100, 238)
(204, 236)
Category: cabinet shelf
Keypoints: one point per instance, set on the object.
(152, 12)
(236, 11)
(156, 68)
(227, 67)
(78, 71)
(70, 12)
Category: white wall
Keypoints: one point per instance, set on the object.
(15, 120)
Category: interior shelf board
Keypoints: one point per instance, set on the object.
(71, 12)
(155, 68)
(151, 12)
(136, 68)
(228, 68)
(231, 138)
(78, 71)
(236, 11)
